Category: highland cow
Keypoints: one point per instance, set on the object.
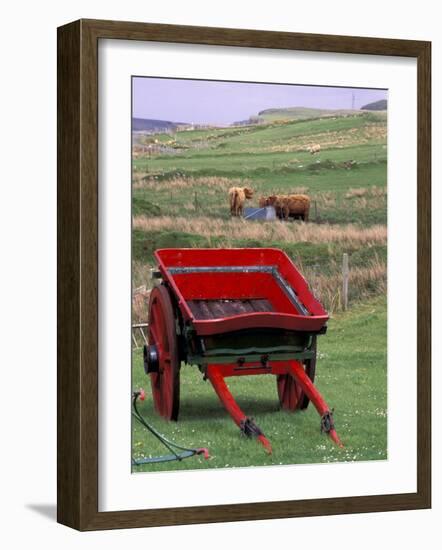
(296, 206)
(237, 198)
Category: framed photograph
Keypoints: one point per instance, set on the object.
(243, 275)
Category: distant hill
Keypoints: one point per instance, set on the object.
(249, 121)
(300, 113)
(380, 105)
(154, 125)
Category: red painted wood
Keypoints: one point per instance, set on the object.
(216, 378)
(297, 371)
(162, 333)
(236, 286)
(259, 320)
(215, 286)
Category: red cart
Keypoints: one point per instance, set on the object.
(234, 312)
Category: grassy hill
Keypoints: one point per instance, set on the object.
(299, 113)
(380, 105)
(150, 124)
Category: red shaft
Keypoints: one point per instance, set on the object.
(227, 399)
(297, 371)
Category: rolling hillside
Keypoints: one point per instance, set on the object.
(299, 113)
(151, 124)
(180, 184)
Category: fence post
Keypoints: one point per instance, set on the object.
(315, 286)
(345, 273)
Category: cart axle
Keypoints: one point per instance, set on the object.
(151, 359)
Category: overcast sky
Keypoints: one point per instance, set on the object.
(217, 102)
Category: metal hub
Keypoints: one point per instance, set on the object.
(151, 359)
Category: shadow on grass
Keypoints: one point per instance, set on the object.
(207, 408)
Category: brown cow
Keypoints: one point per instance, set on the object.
(263, 202)
(288, 205)
(237, 198)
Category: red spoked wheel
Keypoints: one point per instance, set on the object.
(162, 334)
(291, 396)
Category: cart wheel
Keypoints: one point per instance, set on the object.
(291, 396)
(289, 392)
(162, 333)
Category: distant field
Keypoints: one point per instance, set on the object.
(330, 189)
(272, 158)
(351, 374)
(299, 113)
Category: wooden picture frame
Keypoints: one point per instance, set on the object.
(77, 463)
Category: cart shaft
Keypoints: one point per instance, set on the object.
(246, 424)
(297, 371)
(216, 374)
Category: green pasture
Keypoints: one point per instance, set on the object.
(258, 156)
(351, 375)
(189, 180)
(274, 130)
(320, 183)
(245, 163)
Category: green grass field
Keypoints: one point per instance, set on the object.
(271, 158)
(351, 374)
(180, 199)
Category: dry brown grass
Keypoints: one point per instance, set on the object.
(297, 191)
(214, 183)
(326, 200)
(364, 282)
(140, 275)
(141, 279)
(332, 139)
(140, 306)
(352, 193)
(374, 191)
(234, 229)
